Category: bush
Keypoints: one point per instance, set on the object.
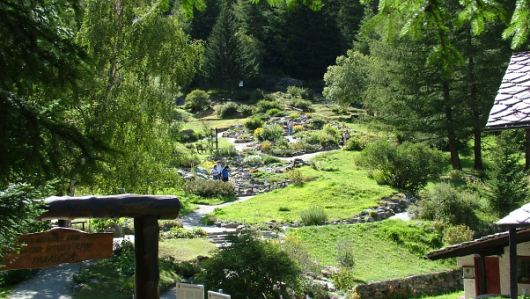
(457, 234)
(358, 142)
(296, 177)
(210, 188)
(345, 254)
(197, 100)
(301, 104)
(344, 279)
(229, 109)
(265, 105)
(182, 233)
(298, 128)
(321, 138)
(314, 216)
(332, 131)
(245, 110)
(253, 123)
(317, 123)
(443, 202)
(251, 268)
(275, 112)
(408, 166)
(166, 225)
(266, 146)
(294, 115)
(270, 132)
(300, 92)
(296, 251)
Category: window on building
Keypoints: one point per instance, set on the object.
(523, 269)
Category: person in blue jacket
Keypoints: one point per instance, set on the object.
(225, 173)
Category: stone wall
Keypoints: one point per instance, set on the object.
(427, 284)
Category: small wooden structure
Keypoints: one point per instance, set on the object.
(145, 209)
(511, 109)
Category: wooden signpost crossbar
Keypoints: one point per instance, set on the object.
(145, 209)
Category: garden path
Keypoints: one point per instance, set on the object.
(55, 282)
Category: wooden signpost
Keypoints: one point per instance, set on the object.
(58, 246)
(65, 246)
(215, 295)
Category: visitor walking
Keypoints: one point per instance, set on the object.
(216, 171)
(225, 173)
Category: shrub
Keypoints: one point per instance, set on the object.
(344, 279)
(253, 161)
(166, 225)
(284, 209)
(331, 130)
(298, 128)
(182, 233)
(253, 123)
(443, 202)
(270, 132)
(245, 110)
(265, 105)
(229, 109)
(457, 234)
(317, 123)
(301, 104)
(294, 115)
(251, 268)
(197, 100)
(345, 254)
(314, 216)
(300, 92)
(266, 146)
(408, 166)
(210, 188)
(275, 112)
(321, 138)
(296, 251)
(358, 142)
(296, 177)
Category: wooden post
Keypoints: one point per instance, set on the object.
(147, 271)
(513, 263)
(483, 280)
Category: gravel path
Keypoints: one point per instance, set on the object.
(51, 283)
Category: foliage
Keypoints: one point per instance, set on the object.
(251, 268)
(294, 249)
(357, 142)
(166, 225)
(321, 138)
(245, 110)
(265, 146)
(253, 123)
(302, 104)
(230, 54)
(300, 92)
(346, 81)
(296, 177)
(265, 105)
(317, 123)
(345, 256)
(407, 166)
(508, 182)
(443, 202)
(182, 233)
(344, 279)
(229, 109)
(20, 204)
(457, 234)
(275, 112)
(210, 188)
(331, 130)
(314, 216)
(197, 100)
(272, 132)
(120, 226)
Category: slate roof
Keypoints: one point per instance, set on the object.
(487, 245)
(512, 103)
(518, 218)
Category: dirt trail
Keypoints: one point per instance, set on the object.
(56, 283)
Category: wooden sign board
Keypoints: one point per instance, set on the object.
(58, 246)
(190, 291)
(215, 295)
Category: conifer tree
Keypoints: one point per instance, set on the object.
(508, 183)
(230, 56)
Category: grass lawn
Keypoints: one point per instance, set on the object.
(455, 295)
(340, 188)
(382, 250)
(185, 249)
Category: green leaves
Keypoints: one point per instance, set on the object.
(519, 28)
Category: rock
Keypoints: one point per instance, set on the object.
(329, 271)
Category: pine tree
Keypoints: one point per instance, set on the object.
(230, 55)
(508, 182)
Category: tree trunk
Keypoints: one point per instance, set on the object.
(527, 150)
(451, 135)
(473, 95)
